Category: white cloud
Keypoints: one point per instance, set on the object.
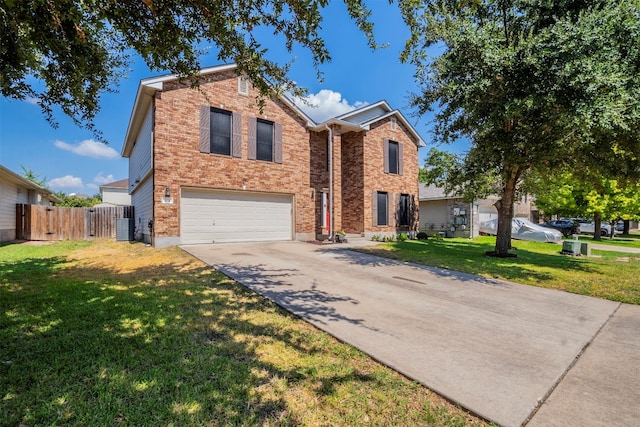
(89, 148)
(101, 179)
(326, 104)
(31, 100)
(67, 182)
(93, 186)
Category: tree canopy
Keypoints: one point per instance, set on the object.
(75, 201)
(529, 83)
(599, 198)
(30, 175)
(76, 50)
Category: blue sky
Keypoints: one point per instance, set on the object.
(73, 162)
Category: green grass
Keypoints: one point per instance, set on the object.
(105, 334)
(609, 275)
(625, 240)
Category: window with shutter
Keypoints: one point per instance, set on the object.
(264, 140)
(393, 155)
(220, 132)
(382, 211)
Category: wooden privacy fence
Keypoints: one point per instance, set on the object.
(36, 222)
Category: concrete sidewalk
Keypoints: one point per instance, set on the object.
(498, 349)
(613, 248)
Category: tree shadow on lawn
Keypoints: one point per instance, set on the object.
(90, 346)
(467, 261)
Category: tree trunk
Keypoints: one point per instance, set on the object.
(597, 225)
(505, 216)
(626, 227)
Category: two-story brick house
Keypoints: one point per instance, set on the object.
(208, 165)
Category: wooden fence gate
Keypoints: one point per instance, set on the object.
(36, 222)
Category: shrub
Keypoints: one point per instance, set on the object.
(402, 237)
(422, 235)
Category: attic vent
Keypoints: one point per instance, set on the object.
(394, 123)
(243, 85)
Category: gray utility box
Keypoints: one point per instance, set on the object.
(124, 229)
(575, 247)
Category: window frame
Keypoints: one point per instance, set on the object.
(380, 206)
(235, 140)
(212, 133)
(393, 157)
(397, 167)
(260, 140)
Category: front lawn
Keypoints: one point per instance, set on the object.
(110, 333)
(624, 240)
(609, 275)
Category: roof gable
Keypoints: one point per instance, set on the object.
(148, 88)
(356, 120)
(367, 113)
(121, 184)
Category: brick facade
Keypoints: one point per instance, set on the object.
(375, 179)
(357, 157)
(179, 163)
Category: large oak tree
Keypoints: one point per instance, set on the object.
(529, 83)
(67, 53)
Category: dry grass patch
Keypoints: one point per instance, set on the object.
(112, 333)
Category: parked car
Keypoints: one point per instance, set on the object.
(588, 227)
(523, 229)
(620, 226)
(566, 226)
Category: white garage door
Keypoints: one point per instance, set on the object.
(223, 217)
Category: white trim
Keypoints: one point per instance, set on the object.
(357, 111)
(395, 113)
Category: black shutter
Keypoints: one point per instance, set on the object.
(386, 155)
(252, 138)
(277, 143)
(374, 206)
(205, 136)
(236, 135)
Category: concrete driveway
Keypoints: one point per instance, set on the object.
(498, 349)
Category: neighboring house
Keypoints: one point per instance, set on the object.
(14, 189)
(116, 193)
(453, 217)
(209, 165)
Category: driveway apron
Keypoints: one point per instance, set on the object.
(494, 347)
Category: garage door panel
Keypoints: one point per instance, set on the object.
(215, 216)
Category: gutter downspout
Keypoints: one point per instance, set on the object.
(330, 145)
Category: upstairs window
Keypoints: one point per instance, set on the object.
(220, 132)
(265, 140)
(392, 157)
